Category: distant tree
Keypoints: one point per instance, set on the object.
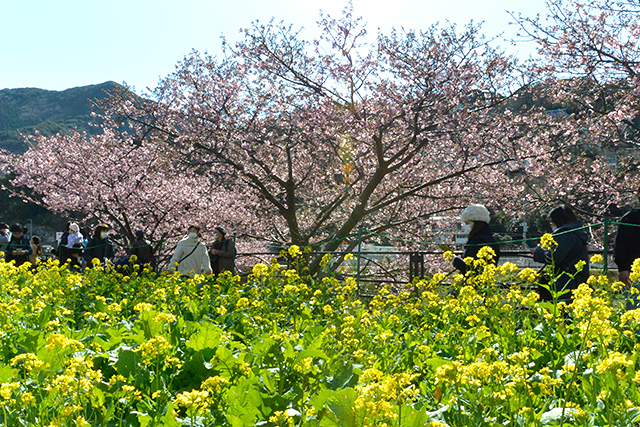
(127, 183)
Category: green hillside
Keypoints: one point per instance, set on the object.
(25, 110)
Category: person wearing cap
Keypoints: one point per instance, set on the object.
(19, 247)
(480, 234)
(222, 253)
(190, 257)
(571, 249)
(142, 249)
(5, 237)
(75, 237)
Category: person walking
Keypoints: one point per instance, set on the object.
(222, 253)
(62, 252)
(480, 235)
(36, 251)
(5, 237)
(99, 247)
(142, 249)
(191, 257)
(571, 249)
(19, 247)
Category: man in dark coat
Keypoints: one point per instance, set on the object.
(142, 249)
(627, 244)
(19, 247)
(571, 249)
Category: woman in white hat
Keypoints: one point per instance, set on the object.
(480, 235)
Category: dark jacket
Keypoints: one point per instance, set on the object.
(98, 248)
(473, 246)
(63, 252)
(225, 260)
(627, 245)
(143, 251)
(572, 248)
(18, 243)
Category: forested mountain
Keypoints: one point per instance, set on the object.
(25, 110)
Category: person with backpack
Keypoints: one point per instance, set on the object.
(222, 253)
(191, 257)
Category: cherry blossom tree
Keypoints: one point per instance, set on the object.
(313, 142)
(127, 183)
(588, 67)
(340, 132)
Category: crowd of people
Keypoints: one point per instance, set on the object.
(191, 257)
(569, 257)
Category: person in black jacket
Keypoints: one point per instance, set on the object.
(571, 249)
(627, 244)
(99, 247)
(19, 247)
(222, 253)
(143, 250)
(478, 217)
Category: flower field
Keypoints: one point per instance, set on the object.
(284, 349)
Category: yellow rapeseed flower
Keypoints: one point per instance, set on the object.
(165, 318)
(487, 253)
(141, 307)
(214, 384)
(155, 348)
(613, 362)
(28, 361)
(548, 242)
(196, 400)
(281, 418)
(294, 251)
(260, 270)
(62, 342)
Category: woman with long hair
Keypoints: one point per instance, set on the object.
(480, 235)
(571, 249)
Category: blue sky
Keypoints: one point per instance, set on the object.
(58, 44)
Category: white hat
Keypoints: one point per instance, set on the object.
(74, 227)
(475, 213)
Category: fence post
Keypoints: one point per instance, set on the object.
(416, 265)
(605, 250)
(359, 253)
